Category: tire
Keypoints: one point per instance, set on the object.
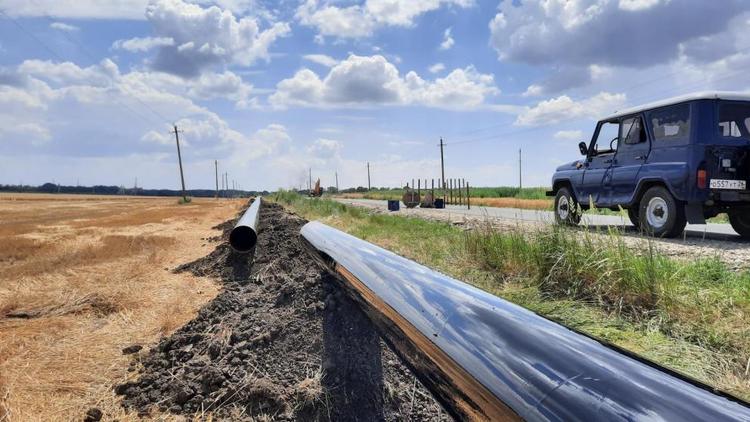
(740, 221)
(660, 215)
(567, 211)
(633, 215)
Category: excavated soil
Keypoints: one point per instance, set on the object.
(280, 342)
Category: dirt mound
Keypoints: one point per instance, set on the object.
(280, 341)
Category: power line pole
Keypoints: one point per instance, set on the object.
(216, 167)
(442, 167)
(520, 181)
(179, 158)
(309, 183)
(337, 182)
(368, 176)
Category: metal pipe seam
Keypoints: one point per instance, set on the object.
(485, 358)
(244, 235)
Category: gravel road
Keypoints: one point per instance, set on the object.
(704, 240)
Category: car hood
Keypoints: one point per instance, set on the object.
(570, 166)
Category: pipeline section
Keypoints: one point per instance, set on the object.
(244, 235)
(485, 358)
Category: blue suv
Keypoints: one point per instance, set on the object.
(668, 163)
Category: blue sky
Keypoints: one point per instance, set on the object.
(89, 89)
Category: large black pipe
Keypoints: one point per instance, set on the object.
(485, 358)
(244, 235)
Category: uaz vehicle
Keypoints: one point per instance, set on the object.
(668, 163)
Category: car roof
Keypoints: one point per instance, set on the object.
(703, 95)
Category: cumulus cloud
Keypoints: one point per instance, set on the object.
(206, 37)
(61, 26)
(325, 149)
(137, 44)
(79, 9)
(436, 68)
(368, 80)
(447, 40)
(321, 59)
(627, 33)
(361, 20)
(119, 108)
(569, 135)
(556, 110)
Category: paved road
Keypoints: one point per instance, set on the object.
(709, 231)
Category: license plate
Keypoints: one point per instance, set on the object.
(728, 184)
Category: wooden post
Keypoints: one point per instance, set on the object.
(450, 191)
(468, 197)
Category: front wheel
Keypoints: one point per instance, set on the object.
(660, 214)
(567, 210)
(740, 221)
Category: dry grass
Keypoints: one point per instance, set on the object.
(84, 277)
(527, 204)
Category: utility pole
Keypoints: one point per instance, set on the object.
(520, 181)
(442, 166)
(368, 176)
(216, 167)
(337, 182)
(309, 183)
(179, 158)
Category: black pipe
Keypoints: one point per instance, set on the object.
(244, 235)
(485, 358)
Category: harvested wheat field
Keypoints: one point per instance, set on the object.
(138, 309)
(84, 277)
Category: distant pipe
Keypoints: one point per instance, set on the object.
(484, 358)
(245, 234)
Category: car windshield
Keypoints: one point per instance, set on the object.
(734, 120)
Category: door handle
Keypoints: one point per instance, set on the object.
(608, 161)
(640, 157)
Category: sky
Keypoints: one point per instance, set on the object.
(90, 89)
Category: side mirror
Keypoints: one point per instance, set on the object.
(583, 148)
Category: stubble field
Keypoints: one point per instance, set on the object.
(84, 277)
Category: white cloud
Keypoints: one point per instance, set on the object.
(325, 149)
(321, 59)
(447, 40)
(79, 9)
(205, 37)
(569, 135)
(120, 108)
(361, 20)
(560, 31)
(61, 26)
(436, 68)
(142, 44)
(368, 80)
(637, 5)
(556, 110)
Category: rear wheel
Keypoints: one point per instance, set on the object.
(633, 216)
(567, 210)
(740, 221)
(660, 214)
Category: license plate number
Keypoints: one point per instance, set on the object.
(728, 184)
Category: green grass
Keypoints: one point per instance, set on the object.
(479, 192)
(689, 315)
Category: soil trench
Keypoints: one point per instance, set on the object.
(281, 342)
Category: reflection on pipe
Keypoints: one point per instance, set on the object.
(485, 358)
(245, 234)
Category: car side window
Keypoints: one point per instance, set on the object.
(632, 131)
(606, 140)
(670, 123)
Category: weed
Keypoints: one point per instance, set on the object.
(689, 315)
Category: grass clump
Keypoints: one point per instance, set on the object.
(688, 315)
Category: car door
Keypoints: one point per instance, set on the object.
(632, 152)
(595, 186)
